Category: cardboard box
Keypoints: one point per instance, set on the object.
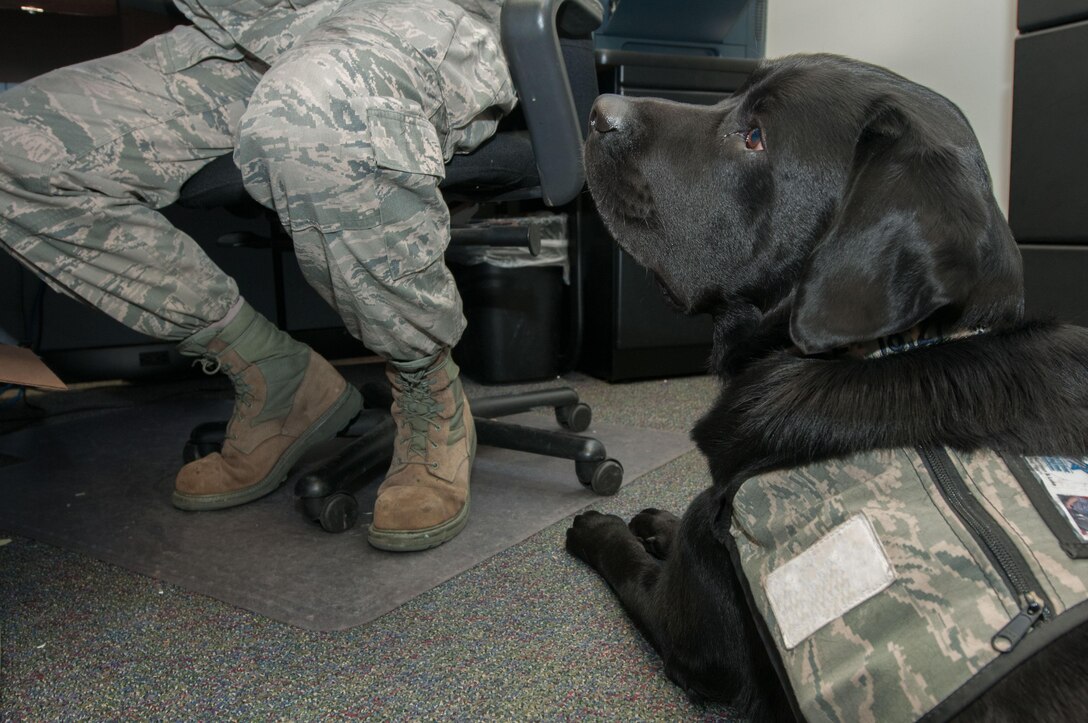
(21, 367)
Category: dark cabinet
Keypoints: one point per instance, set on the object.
(1048, 197)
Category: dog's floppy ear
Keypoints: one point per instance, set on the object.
(906, 238)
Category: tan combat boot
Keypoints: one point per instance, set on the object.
(424, 499)
(286, 399)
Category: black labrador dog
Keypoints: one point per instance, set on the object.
(827, 205)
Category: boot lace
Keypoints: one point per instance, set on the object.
(420, 410)
(243, 392)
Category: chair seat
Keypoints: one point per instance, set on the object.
(217, 184)
(502, 164)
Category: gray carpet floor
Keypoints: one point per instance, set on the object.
(529, 634)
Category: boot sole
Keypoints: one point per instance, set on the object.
(415, 540)
(336, 418)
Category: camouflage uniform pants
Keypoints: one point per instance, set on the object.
(344, 137)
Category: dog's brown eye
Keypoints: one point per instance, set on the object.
(753, 139)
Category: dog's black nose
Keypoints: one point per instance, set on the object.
(607, 113)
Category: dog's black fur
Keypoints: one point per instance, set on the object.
(867, 210)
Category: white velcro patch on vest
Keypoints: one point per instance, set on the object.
(843, 569)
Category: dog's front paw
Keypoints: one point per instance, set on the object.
(592, 531)
(655, 529)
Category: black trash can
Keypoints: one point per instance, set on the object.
(514, 305)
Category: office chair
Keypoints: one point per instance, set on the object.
(551, 60)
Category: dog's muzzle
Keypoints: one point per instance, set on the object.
(608, 114)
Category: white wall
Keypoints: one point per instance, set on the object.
(963, 49)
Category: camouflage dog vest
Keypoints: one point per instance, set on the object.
(901, 584)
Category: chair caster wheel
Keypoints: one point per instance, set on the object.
(190, 453)
(603, 477)
(575, 417)
(336, 513)
(203, 440)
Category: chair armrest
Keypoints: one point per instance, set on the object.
(530, 39)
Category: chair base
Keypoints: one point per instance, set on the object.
(327, 493)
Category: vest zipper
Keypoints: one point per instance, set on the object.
(998, 546)
(1014, 631)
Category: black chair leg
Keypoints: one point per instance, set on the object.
(591, 463)
(327, 491)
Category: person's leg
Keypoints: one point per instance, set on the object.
(87, 155)
(346, 138)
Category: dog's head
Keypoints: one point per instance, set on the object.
(839, 194)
